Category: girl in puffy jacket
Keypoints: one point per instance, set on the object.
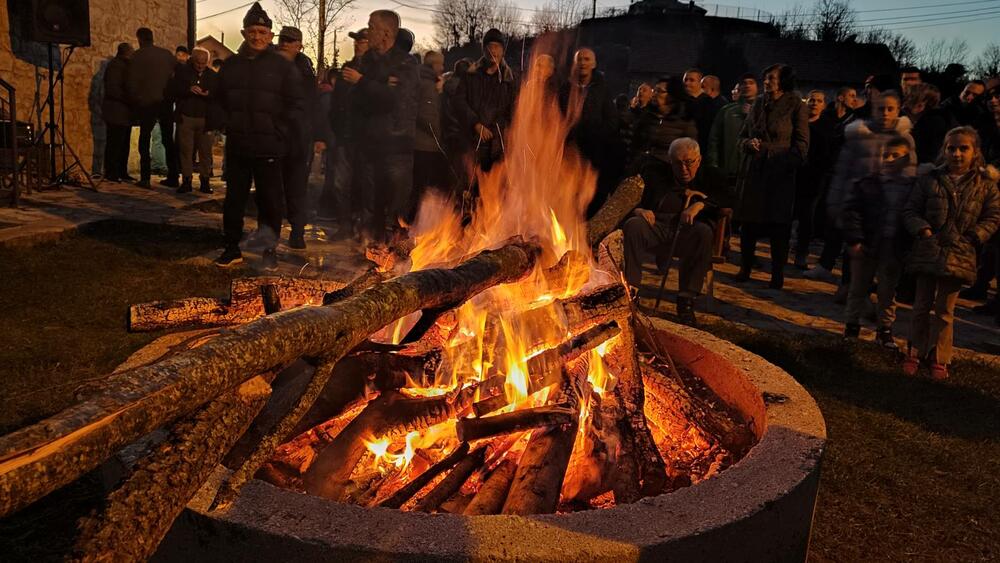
(951, 212)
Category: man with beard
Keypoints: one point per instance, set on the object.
(386, 90)
(585, 98)
(261, 94)
(295, 169)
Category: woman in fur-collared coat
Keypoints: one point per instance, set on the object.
(776, 137)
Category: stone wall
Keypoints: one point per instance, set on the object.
(111, 22)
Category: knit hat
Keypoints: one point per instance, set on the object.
(493, 36)
(256, 16)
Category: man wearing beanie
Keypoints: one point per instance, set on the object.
(484, 104)
(386, 88)
(261, 94)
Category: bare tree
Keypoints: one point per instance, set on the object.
(329, 13)
(457, 22)
(313, 18)
(506, 18)
(939, 53)
(987, 64)
(558, 14)
(903, 49)
(834, 20)
(793, 23)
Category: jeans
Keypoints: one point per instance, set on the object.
(884, 264)
(934, 333)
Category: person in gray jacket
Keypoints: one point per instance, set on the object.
(148, 74)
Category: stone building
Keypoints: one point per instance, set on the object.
(111, 22)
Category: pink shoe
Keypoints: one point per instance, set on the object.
(939, 372)
(910, 365)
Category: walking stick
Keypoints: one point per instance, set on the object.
(670, 258)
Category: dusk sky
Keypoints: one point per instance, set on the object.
(922, 20)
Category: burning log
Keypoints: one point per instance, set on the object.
(40, 458)
(272, 300)
(453, 481)
(542, 468)
(404, 494)
(243, 306)
(592, 467)
(140, 512)
(493, 493)
(386, 257)
(487, 427)
(624, 199)
(367, 279)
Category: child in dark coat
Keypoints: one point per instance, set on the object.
(952, 211)
(872, 222)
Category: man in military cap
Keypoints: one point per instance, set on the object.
(261, 94)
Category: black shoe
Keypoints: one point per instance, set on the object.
(743, 275)
(206, 188)
(852, 331)
(186, 187)
(685, 311)
(127, 178)
(170, 183)
(114, 179)
(144, 183)
(777, 280)
(231, 256)
(973, 293)
(269, 260)
(883, 337)
(297, 240)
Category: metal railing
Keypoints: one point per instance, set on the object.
(8, 108)
(737, 12)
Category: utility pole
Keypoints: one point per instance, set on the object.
(320, 60)
(593, 13)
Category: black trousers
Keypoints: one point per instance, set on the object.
(430, 170)
(148, 118)
(779, 235)
(693, 250)
(295, 180)
(116, 147)
(265, 174)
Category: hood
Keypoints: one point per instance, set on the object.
(861, 128)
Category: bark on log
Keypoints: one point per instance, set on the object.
(272, 300)
(469, 429)
(137, 515)
(243, 305)
(542, 468)
(40, 458)
(493, 493)
(624, 199)
(404, 494)
(453, 481)
(367, 279)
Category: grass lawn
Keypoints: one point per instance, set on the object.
(911, 472)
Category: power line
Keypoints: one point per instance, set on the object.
(241, 6)
(908, 8)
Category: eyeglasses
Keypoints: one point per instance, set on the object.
(689, 163)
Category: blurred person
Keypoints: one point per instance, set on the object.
(259, 113)
(988, 127)
(876, 242)
(303, 138)
(217, 64)
(117, 116)
(149, 71)
(814, 175)
(665, 119)
(723, 149)
(430, 164)
(586, 99)
(685, 202)
(952, 211)
(630, 116)
(930, 122)
(775, 138)
(182, 54)
(967, 107)
(714, 101)
(643, 95)
(909, 76)
(193, 87)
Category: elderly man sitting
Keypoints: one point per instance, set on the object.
(681, 193)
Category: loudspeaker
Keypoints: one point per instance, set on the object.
(66, 22)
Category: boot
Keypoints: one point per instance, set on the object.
(777, 277)
(185, 188)
(170, 182)
(205, 187)
(852, 331)
(297, 239)
(685, 311)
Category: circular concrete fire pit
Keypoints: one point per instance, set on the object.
(759, 509)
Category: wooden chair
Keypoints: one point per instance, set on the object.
(718, 257)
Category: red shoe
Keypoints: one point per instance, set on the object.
(910, 365)
(939, 372)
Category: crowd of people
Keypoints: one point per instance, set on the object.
(899, 184)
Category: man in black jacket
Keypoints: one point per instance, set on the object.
(261, 95)
(296, 164)
(663, 213)
(192, 87)
(115, 110)
(149, 72)
(386, 88)
(585, 97)
(484, 103)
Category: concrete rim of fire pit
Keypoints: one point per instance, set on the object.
(758, 509)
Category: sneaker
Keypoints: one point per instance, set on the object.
(185, 187)
(852, 331)
(231, 256)
(910, 365)
(939, 372)
(127, 178)
(883, 337)
(685, 311)
(819, 273)
(269, 260)
(170, 183)
(297, 240)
